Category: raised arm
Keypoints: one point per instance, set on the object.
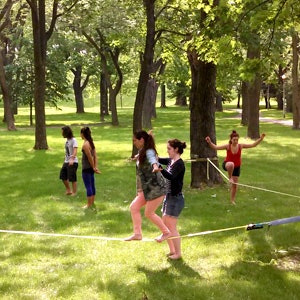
(254, 144)
(214, 146)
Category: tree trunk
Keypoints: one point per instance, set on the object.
(103, 97)
(39, 46)
(295, 82)
(78, 89)
(163, 96)
(202, 121)
(219, 102)
(146, 65)
(181, 91)
(149, 109)
(279, 94)
(245, 103)
(8, 112)
(254, 96)
(113, 107)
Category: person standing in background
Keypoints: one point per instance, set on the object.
(68, 172)
(89, 167)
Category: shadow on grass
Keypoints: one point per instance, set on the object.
(179, 281)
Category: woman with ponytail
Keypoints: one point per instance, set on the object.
(232, 162)
(89, 167)
(151, 187)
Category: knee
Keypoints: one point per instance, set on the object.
(148, 214)
(229, 166)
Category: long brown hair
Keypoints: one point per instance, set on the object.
(87, 134)
(148, 144)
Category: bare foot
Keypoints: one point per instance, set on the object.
(163, 237)
(134, 237)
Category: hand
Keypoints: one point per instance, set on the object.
(156, 170)
(262, 136)
(208, 140)
(97, 171)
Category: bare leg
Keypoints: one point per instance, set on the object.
(67, 186)
(229, 167)
(174, 243)
(74, 188)
(135, 210)
(151, 207)
(233, 189)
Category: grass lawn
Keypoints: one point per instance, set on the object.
(234, 264)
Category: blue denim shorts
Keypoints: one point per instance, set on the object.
(173, 205)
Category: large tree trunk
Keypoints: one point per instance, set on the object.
(253, 97)
(103, 97)
(78, 89)
(39, 45)
(245, 103)
(163, 96)
(149, 107)
(8, 112)
(295, 80)
(146, 65)
(202, 121)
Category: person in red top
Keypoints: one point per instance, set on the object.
(232, 162)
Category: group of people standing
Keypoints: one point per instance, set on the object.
(68, 172)
(155, 185)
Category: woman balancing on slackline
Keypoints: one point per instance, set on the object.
(232, 162)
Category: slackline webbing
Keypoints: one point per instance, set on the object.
(248, 227)
(250, 186)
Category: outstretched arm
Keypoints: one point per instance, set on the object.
(214, 146)
(254, 144)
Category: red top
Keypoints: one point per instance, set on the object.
(234, 157)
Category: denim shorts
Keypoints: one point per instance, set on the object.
(173, 205)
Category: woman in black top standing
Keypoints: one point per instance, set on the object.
(174, 200)
(89, 167)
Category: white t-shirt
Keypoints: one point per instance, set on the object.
(69, 146)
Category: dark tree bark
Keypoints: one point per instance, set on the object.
(254, 96)
(202, 121)
(6, 56)
(39, 48)
(163, 96)
(219, 102)
(8, 112)
(103, 97)
(295, 81)
(149, 109)
(146, 67)
(181, 91)
(245, 103)
(78, 88)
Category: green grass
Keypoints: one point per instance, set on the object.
(235, 264)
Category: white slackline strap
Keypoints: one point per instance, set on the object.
(250, 186)
(68, 235)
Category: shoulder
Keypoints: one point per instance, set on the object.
(86, 145)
